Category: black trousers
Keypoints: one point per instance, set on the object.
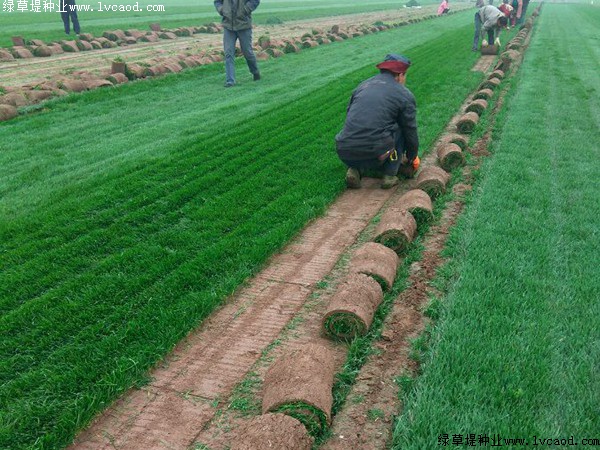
(68, 11)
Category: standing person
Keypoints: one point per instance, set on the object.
(67, 11)
(490, 20)
(521, 11)
(237, 23)
(381, 125)
(443, 8)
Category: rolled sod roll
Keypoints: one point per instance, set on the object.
(42, 51)
(477, 106)
(69, 46)
(276, 431)
(510, 56)
(376, 261)
(514, 45)
(299, 385)
(73, 85)
(117, 78)
(352, 308)
(450, 157)
(418, 203)
(467, 122)
(490, 50)
(457, 139)
(497, 74)
(36, 96)
(396, 229)
(485, 94)
(433, 180)
(491, 83)
(7, 112)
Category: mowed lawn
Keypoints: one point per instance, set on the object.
(127, 215)
(47, 25)
(516, 353)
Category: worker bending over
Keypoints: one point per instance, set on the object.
(490, 20)
(380, 131)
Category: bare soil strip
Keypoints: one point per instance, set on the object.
(181, 400)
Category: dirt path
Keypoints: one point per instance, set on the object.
(182, 399)
(35, 70)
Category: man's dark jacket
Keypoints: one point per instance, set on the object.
(380, 110)
(236, 14)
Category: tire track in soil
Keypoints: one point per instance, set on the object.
(182, 398)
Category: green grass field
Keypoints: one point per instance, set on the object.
(516, 351)
(128, 215)
(48, 25)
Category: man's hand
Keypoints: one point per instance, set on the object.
(497, 42)
(484, 43)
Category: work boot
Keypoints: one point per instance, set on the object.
(389, 181)
(353, 178)
(256, 76)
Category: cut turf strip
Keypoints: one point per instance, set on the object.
(377, 261)
(272, 431)
(299, 384)
(433, 180)
(351, 309)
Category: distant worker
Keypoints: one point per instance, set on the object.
(490, 20)
(237, 23)
(506, 8)
(444, 8)
(380, 131)
(69, 11)
(522, 11)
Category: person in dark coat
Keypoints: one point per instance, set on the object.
(237, 23)
(380, 131)
(68, 11)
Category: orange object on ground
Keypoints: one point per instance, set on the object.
(416, 163)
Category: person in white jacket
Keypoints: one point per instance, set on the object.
(490, 20)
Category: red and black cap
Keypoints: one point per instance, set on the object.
(395, 63)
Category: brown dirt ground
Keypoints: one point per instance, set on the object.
(186, 403)
(35, 70)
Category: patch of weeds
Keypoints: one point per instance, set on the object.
(200, 446)
(243, 398)
(375, 414)
(358, 399)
